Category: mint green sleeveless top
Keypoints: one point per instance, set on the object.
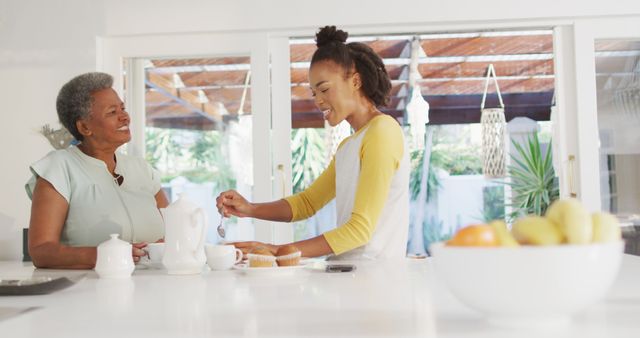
(98, 206)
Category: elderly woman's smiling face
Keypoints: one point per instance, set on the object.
(108, 122)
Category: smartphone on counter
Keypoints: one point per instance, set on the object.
(340, 268)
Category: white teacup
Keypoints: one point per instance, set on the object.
(155, 252)
(222, 257)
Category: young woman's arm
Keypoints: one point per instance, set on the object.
(231, 203)
(299, 206)
(312, 247)
(292, 208)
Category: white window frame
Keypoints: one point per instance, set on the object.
(575, 87)
(271, 96)
(111, 51)
(565, 90)
(586, 32)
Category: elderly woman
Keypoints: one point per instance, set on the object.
(83, 193)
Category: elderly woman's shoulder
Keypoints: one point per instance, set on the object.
(61, 160)
(59, 155)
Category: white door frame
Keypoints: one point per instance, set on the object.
(566, 101)
(281, 129)
(111, 51)
(586, 32)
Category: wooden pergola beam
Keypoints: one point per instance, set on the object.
(447, 109)
(186, 98)
(438, 116)
(194, 122)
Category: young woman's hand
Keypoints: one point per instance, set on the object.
(231, 203)
(246, 247)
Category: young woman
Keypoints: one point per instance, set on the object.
(369, 175)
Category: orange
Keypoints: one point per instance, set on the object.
(475, 235)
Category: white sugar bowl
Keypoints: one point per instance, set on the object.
(114, 259)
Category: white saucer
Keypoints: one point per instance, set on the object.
(272, 271)
(149, 266)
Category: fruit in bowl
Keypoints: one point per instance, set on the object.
(538, 273)
(528, 284)
(566, 222)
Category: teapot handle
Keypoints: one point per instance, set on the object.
(203, 234)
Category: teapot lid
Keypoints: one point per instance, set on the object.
(183, 202)
(114, 243)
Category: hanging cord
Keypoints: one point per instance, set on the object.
(491, 73)
(244, 92)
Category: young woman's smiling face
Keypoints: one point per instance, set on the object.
(335, 92)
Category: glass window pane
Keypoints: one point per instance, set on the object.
(450, 70)
(198, 132)
(618, 95)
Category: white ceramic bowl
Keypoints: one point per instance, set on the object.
(528, 284)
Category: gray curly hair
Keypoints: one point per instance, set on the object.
(74, 99)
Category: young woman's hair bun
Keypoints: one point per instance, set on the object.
(330, 34)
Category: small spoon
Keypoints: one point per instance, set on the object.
(221, 227)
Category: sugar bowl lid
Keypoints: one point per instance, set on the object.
(114, 243)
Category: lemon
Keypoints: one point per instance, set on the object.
(502, 233)
(572, 219)
(536, 230)
(605, 227)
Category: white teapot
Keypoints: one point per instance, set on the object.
(185, 229)
(114, 259)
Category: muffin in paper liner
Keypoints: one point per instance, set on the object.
(288, 257)
(261, 261)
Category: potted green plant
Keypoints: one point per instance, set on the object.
(532, 179)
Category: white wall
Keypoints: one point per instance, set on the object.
(45, 43)
(460, 201)
(42, 45)
(151, 16)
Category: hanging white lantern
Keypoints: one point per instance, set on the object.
(493, 125)
(418, 116)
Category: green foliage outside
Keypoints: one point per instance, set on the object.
(308, 160)
(208, 153)
(457, 153)
(415, 178)
(433, 232)
(308, 156)
(493, 204)
(161, 147)
(450, 153)
(196, 155)
(458, 159)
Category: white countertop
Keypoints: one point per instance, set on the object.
(383, 299)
